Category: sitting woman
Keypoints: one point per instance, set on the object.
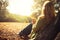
(47, 17)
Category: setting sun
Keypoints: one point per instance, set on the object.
(20, 7)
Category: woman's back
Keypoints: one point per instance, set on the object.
(42, 26)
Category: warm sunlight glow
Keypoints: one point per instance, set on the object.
(20, 7)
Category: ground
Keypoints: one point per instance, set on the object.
(10, 30)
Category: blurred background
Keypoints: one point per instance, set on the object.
(23, 11)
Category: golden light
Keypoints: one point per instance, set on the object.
(20, 7)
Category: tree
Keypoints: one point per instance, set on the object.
(3, 4)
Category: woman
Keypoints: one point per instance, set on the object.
(46, 18)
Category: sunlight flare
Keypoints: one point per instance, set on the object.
(20, 7)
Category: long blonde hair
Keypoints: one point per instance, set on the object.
(48, 10)
(47, 18)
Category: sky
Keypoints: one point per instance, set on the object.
(20, 7)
